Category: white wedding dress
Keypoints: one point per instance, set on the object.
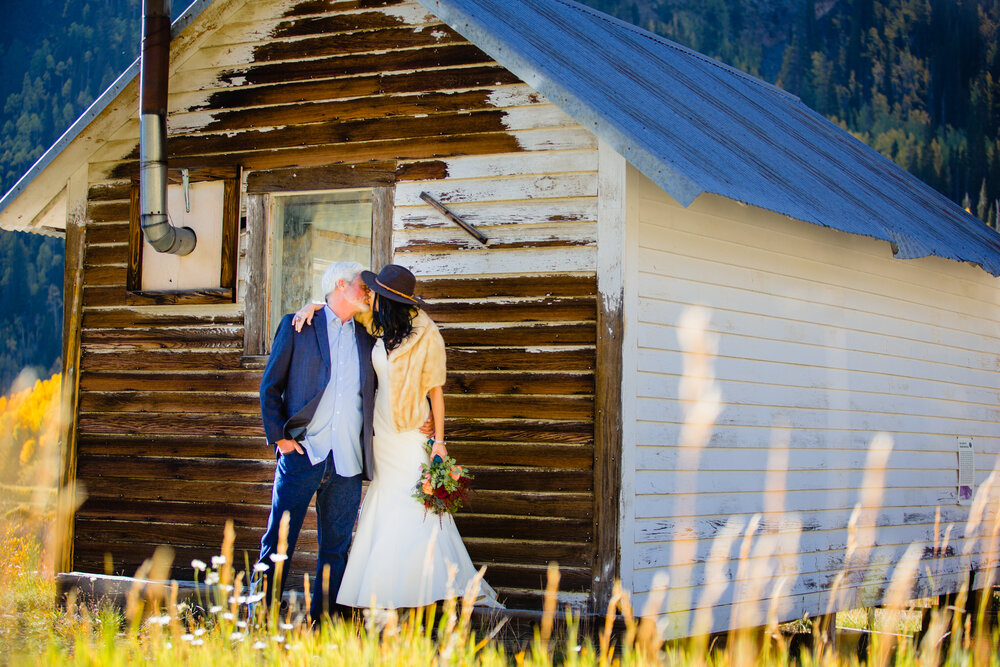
(402, 556)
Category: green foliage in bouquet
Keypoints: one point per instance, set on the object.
(443, 486)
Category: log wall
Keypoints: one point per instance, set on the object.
(169, 437)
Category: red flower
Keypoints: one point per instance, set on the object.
(441, 492)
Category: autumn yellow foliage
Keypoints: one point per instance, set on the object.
(29, 435)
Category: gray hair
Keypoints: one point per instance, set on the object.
(346, 271)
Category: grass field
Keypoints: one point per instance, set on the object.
(217, 628)
(219, 631)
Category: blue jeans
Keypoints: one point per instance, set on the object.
(337, 501)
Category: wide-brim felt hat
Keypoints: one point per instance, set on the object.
(394, 282)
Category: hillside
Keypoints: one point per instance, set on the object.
(56, 57)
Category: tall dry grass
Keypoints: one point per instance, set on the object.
(227, 623)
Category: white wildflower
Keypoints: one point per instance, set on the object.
(278, 638)
(228, 616)
(197, 642)
(242, 625)
(212, 578)
(261, 567)
(287, 626)
(198, 565)
(199, 632)
(214, 609)
(218, 561)
(236, 636)
(259, 645)
(277, 558)
(187, 637)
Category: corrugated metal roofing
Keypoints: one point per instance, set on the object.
(692, 124)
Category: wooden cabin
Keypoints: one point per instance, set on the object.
(620, 180)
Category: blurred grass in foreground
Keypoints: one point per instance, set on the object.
(219, 629)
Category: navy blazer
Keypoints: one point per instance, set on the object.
(296, 374)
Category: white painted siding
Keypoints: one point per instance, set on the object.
(823, 340)
(539, 210)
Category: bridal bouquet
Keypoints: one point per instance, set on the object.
(443, 486)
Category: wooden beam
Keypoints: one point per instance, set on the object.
(608, 377)
(180, 297)
(328, 177)
(255, 306)
(76, 234)
(383, 202)
(230, 234)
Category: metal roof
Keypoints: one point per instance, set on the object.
(692, 124)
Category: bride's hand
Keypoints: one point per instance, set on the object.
(305, 315)
(438, 449)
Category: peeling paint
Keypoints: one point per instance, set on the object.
(509, 96)
(410, 14)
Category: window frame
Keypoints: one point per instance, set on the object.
(262, 187)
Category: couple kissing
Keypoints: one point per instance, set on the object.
(350, 391)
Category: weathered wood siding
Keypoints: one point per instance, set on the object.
(824, 340)
(170, 442)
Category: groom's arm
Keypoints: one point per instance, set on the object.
(275, 380)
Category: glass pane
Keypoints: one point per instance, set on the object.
(310, 232)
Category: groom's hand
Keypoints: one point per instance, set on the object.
(428, 427)
(286, 446)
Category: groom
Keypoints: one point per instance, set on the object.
(317, 397)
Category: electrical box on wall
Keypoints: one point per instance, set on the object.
(966, 471)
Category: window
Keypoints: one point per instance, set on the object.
(310, 231)
(298, 221)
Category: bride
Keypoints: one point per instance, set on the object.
(403, 555)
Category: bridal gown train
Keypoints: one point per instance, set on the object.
(401, 555)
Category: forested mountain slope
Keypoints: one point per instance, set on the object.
(56, 57)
